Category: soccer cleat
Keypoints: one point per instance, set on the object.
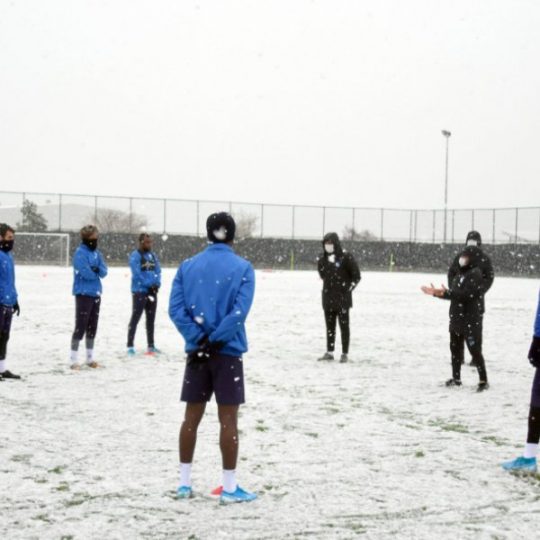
(344, 358)
(92, 364)
(8, 375)
(131, 352)
(326, 356)
(75, 366)
(482, 386)
(453, 382)
(152, 351)
(237, 496)
(520, 464)
(184, 492)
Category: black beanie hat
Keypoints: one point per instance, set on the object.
(475, 236)
(220, 228)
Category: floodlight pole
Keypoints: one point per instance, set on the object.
(446, 134)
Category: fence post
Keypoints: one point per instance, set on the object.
(472, 220)
(59, 212)
(95, 210)
(382, 224)
(410, 225)
(262, 220)
(415, 224)
(323, 220)
(434, 224)
(198, 218)
(517, 225)
(164, 216)
(353, 223)
(493, 225)
(293, 216)
(131, 215)
(453, 223)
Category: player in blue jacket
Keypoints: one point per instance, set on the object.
(527, 462)
(145, 284)
(210, 300)
(9, 303)
(88, 269)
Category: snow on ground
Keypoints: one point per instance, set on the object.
(378, 447)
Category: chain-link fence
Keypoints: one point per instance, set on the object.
(65, 213)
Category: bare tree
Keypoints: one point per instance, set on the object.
(111, 220)
(246, 224)
(350, 233)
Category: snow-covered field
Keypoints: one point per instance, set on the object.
(375, 448)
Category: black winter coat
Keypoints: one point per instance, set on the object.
(483, 262)
(466, 300)
(340, 275)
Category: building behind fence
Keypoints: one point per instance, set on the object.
(67, 213)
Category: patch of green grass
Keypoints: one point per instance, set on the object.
(312, 434)
(261, 428)
(59, 469)
(63, 486)
(21, 458)
(419, 454)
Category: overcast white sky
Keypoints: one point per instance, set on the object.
(294, 101)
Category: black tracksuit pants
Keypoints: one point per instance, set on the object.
(6, 316)
(86, 317)
(331, 318)
(473, 338)
(148, 304)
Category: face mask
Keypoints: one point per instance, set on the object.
(463, 261)
(220, 234)
(329, 248)
(6, 245)
(91, 244)
(472, 242)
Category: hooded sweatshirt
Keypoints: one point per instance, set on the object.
(340, 274)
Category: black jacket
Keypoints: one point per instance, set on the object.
(340, 275)
(483, 262)
(466, 295)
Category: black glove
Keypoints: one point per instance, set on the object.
(17, 309)
(95, 269)
(205, 348)
(534, 352)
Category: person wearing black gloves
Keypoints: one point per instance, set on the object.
(474, 238)
(210, 300)
(527, 462)
(466, 315)
(9, 303)
(145, 284)
(340, 274)
(89, 268)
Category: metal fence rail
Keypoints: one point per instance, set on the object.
(68, 212)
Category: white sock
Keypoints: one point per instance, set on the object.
(74, 357)
(89, 355)
(3, 366)
(531, 450)
(185, 474)
(229, 481)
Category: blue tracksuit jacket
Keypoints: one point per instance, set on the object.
(211, 295)
(537, 321)
(8, 292)
(85, 281)
(145, 271)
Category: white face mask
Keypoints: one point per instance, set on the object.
(472, 242)
(463, 261)
(329, 248)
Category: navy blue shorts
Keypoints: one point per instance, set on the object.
(220, 374)
(535, 393)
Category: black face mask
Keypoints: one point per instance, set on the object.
(6, 245)
(91, 244)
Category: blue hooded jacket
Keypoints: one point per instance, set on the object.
(211, 295)
(87, 282)
(145, 271)
(537, 321)
(8, 292)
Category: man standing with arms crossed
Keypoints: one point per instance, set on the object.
(210, 300)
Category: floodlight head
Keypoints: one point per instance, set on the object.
(446, 133)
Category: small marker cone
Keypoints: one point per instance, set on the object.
(217, 491)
